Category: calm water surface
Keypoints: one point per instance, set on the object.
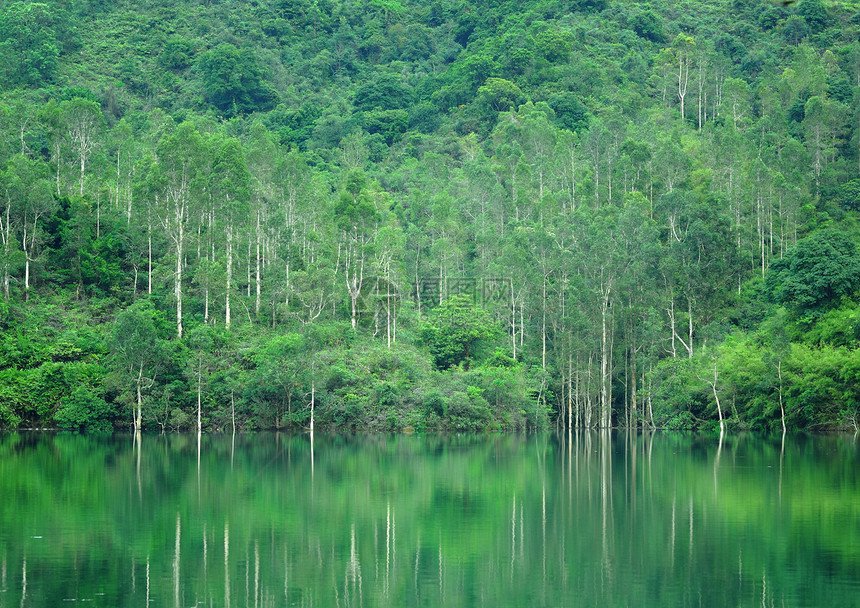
(274, 520)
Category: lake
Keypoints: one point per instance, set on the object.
(620, 519)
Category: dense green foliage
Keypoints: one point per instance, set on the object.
(437, 215)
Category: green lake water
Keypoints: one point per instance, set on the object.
(534, 520)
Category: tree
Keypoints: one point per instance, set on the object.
(795, 29)
(648, 25)
(231, 187)
(383, 91)
(816, 274)
(683, 47)
(200, 363)
(589, 5)
(814, 13)
(357, 218)
(500, 94)
(29, 48)
(83, 121)
(824, 122)
(696, 262)
(282, 366)
(32, 201)
(570, 112)
(7, 237)
(455, 330)
(233, 80)
(173, 181)
(138, 354)
(554, 45)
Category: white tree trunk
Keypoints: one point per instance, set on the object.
(229, 272)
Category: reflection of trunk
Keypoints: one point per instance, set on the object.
(227, 564)
(256, 573)
(23, 581)
(176, 563)
(605, 499)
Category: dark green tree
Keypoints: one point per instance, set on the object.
(456, 330)
(815, 14)
(233, 80)
(138, 354)
(816, 274)
(29, 49)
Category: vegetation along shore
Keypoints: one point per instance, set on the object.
(441, 215)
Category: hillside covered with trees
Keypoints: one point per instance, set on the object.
(388, 214)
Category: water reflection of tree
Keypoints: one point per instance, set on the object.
(611, 519)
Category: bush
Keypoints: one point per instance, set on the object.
(84, 411)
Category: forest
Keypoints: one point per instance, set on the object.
(392, 215)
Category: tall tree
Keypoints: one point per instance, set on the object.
(357, 220)
(231, 188)
(29, 190)
(138, 354)
(83, 122)
(174, 184)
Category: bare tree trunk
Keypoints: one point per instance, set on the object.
(258, 270)
(605, 416)
(177, 285)
(650, 407)
(83, 164)
(633, 395)
(26, 266)
(543, 327)
(229, 272)
(713, 385)
(6, 234)
(569, 391)
(781, 405)
(199, 391)
(313, 398)
(149, 255)
(139, 417)
(690, 326)
(513, 322)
